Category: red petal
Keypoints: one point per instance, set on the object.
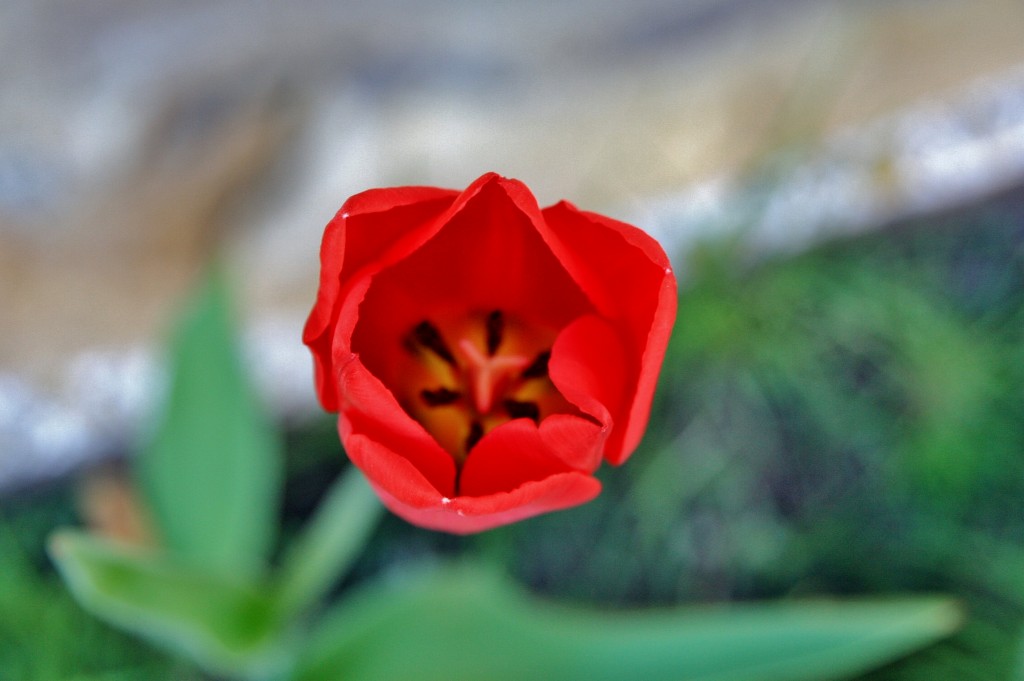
(577, 441)
(370, 411)
(392, 476)
(466, 515)
(408, 494)
(509, 456)
(486, 254)
(588, 366)
(628, 278)
(372, 227)
(650, 367)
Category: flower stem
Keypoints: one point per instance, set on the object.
(329, 544)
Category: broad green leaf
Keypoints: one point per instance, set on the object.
(333, 538)
(466, 625)
(212, 472)
(224, 625)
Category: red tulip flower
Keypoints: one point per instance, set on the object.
(485, 355)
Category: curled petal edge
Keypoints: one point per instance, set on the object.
(588, 366)
(564, 225)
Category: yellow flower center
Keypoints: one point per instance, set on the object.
(471, 373)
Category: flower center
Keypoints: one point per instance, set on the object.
(471, 374)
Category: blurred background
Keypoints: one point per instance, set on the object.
(841, 186)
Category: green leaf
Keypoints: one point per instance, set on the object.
(227, 626)
(212, 472)
(463, 624)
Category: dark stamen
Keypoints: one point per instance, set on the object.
(476, 431)
(522, 410)
(538, 367)
(440, 396)
(495, 331)
(427, 335)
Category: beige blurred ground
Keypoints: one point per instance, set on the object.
(169, 130)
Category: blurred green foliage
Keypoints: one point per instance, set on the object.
(466, 623)
(844, 422)
(44, 634)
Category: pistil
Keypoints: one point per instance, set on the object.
(488, 375)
